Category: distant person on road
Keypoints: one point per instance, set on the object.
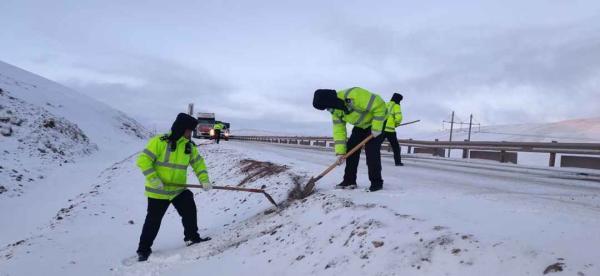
(367, 112)
(394, 119)
(218, 127)
(165, 161)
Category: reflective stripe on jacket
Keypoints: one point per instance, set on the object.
(394, 117)
(157, 160)
(366, 110)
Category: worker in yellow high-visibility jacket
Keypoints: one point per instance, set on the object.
(367, 112)
(165, 161)
(218, 128)
(394, 120)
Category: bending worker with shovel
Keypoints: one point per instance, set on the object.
(165, 161)
(367, 112)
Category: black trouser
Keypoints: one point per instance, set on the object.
(218, 135)
(185, 206)
(393, 139)
(373, 151)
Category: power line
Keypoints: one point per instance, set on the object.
(456, 120)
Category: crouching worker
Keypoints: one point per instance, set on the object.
(367, 112)
(165, 161)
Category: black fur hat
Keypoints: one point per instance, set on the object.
(184, 122)
(181, 124)
(397, 98)
(327, 98)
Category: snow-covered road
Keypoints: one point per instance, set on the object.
(432, 218)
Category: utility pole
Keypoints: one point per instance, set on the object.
(451, 129)
(191, 109)
(470, 124)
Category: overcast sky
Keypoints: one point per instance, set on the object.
(257, 63)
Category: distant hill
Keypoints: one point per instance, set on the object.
(577, 130)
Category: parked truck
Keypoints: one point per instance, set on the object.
(206, 122)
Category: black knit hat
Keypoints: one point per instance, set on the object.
(397, 98)
(327, 98)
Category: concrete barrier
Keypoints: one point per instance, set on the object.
(320, 143)
(386, 147)
(585, 162)
(305, 142)
(500, 156)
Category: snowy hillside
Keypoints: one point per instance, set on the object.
(44, 125)
(577, 130)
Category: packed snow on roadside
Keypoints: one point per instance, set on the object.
(430, 219)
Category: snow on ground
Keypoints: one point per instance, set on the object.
(432, 218)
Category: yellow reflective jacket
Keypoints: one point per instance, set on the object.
(157, 160)
(366, 110)
(394, 117)
(218, 126)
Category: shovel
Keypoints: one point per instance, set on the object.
(308, 189)
(408, 123)
(229, 188)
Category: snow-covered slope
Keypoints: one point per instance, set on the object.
(44, 125)
(577, 130)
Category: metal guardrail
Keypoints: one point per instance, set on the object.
(551, 148)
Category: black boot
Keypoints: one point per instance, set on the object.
(143, 255)
(196, 240)
(399, 164)
(374, 188)
(346, 186)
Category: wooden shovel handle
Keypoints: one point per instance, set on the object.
(345, 156)
(229, 188)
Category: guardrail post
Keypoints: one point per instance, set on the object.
(436, 149)
(465, 152)
(552, 161)
(409, 149)
(503, 156)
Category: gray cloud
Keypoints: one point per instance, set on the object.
(501, 75)
(256, 64)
